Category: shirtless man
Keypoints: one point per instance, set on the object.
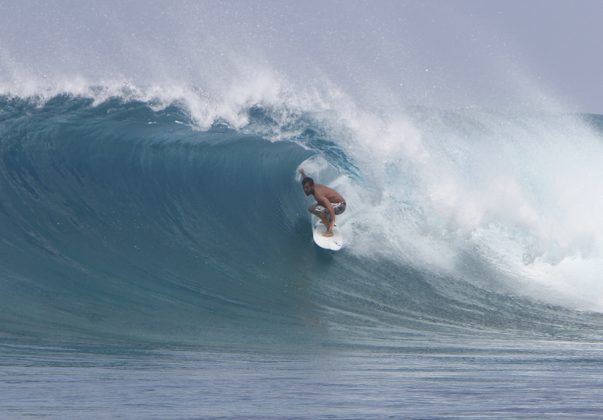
(328, 202)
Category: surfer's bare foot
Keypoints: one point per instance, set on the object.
(328, 234)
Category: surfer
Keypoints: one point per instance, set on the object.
(328, 202)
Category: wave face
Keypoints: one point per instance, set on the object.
(126, 221)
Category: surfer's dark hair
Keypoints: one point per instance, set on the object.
(307, 180)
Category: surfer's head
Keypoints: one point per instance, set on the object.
(308, 184)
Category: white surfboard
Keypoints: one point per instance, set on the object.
(334, 243)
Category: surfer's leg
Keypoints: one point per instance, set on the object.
(321, 212)
(324, 219)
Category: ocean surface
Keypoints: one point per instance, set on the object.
(156, 268)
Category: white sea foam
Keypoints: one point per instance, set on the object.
(519, 193)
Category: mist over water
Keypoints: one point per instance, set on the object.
(397, 53)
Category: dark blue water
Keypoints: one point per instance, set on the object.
(151, 268)
(485, 379)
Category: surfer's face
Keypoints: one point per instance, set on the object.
(309, 189)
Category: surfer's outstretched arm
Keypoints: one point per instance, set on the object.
(301, 171)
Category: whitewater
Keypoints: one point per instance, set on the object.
(156, 254)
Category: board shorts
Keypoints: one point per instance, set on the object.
(338, 208)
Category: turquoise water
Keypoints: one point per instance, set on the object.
(153, 268)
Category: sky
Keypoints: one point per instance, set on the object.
(445, 53)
